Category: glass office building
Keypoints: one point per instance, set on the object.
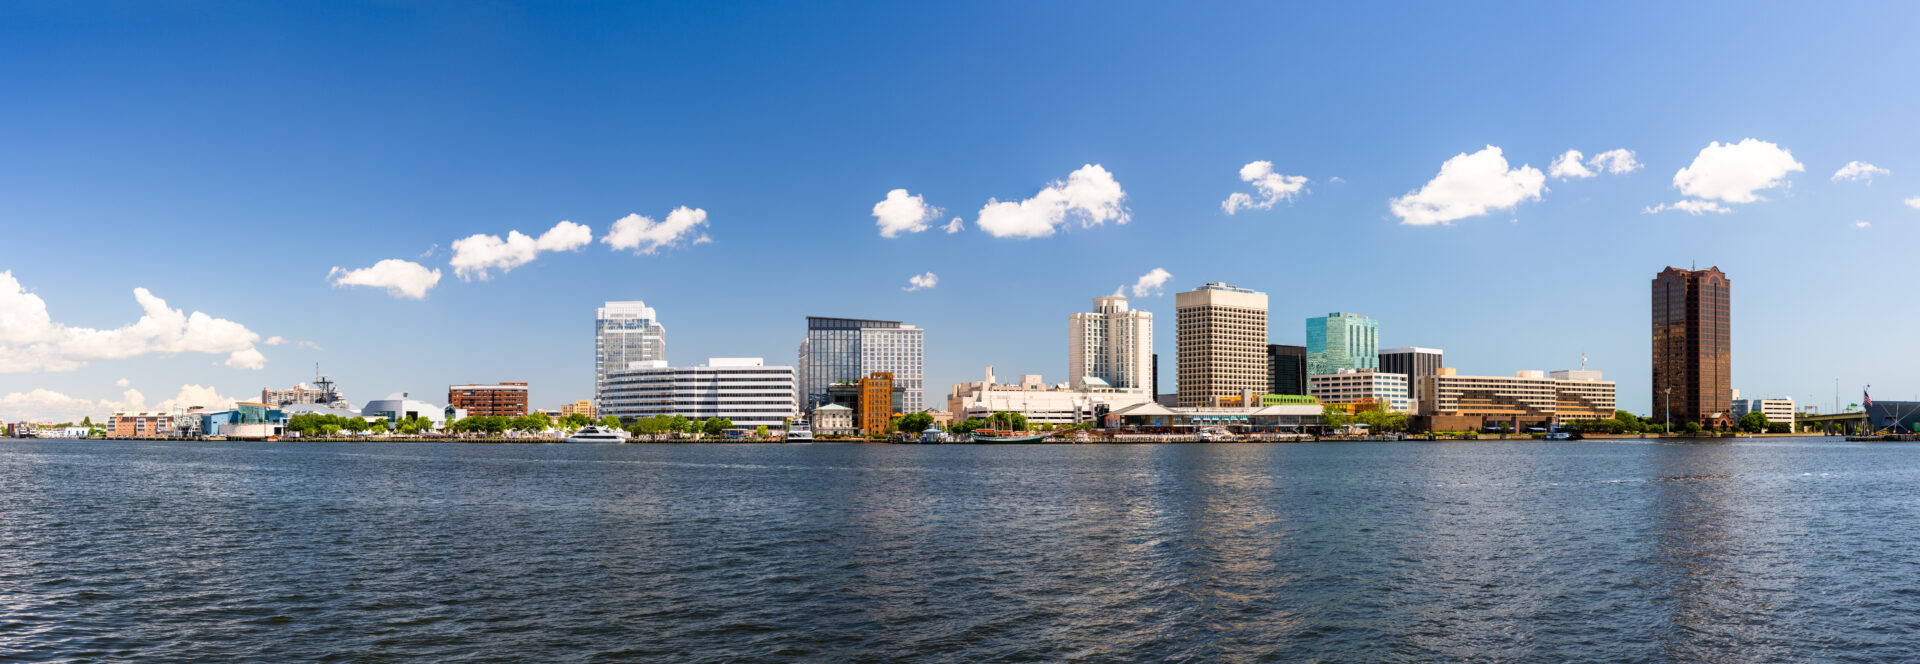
(1342, 341)
(624, 334)
(839, 350)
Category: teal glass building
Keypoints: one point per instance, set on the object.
(1342, 340)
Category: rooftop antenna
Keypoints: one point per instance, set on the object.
(1583, 360)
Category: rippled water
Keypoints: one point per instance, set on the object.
(1783, 550)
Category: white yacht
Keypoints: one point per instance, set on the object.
(598, 434)
(800, 436)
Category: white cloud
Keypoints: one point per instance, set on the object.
(122, 383)
(1337, 178)
(1913, 202)
(48, 406)
(1736, 172)
(401, 278)
(31, 341)
(475, 255)
(955, 226)
(902, 212)
(645, 236)
(1568, 165)
(1470, 185)
(1273, 188)
(1861, 224)
(921, 281)
(308, 344)
(196, 395)
(1692, 207)
(1149, 283)
(1090, 195)
(1856, 171)
(275, 340)
(1616, 161)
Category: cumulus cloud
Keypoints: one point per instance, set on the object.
(1616, 161)
(902, 212)
(1568, 165)
(197, 395)
(1861, 224)
(922, 281)
(1858, 171)
(275, 340)
(30, 340)
(401, 278)
(122, 383)
(1148, 284)
(1470, 185)
(309, 345)
(476, 255)
(1089, 195)
(1273, 188)
(955, 226)
(43, 405)
(1913, 202)
(1695, 208)
(1736, 172)
(645, 236)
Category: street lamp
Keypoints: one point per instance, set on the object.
(1668, 427)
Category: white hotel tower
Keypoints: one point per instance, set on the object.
(626, 334)
(1111, 345)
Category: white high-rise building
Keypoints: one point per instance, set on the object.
(843, 350)
(1111, 345)
(625, 335)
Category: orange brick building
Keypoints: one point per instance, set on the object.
(876, 403)
(503, 400)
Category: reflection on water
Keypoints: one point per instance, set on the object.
(1784, 550)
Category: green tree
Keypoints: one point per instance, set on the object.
(87, 421)
(912, 423)
(760, 431)
(966, 427)
(329, 429)
(1379, 416)
(576, 421)
(680, 424)
(715, 426)
(1753, 422)
(610, 422)
(1007, 420)
(1693, 427)
(1333, 416)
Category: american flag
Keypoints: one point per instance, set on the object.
(1868, 399)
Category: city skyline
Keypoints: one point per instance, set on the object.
(628, 186)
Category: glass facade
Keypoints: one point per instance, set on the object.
(624, 333)
(843, 350)
(1692, 346)
(1342, 341)
(1287, 369)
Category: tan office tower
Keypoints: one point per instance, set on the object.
(1222, 340)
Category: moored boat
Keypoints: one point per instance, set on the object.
(597, 434)
(999, 436)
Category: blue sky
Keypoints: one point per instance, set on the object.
(227, 158)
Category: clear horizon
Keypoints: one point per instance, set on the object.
(202, 206)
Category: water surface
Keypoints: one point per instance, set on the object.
(1776, 550)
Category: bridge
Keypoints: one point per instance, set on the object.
(1835, 424)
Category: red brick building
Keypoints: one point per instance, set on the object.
(504, 400)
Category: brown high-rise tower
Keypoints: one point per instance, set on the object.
(1692, 346)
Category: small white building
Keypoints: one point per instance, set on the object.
(1776, 410)
(832, 419)
(742, 389)
(1362, 385)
